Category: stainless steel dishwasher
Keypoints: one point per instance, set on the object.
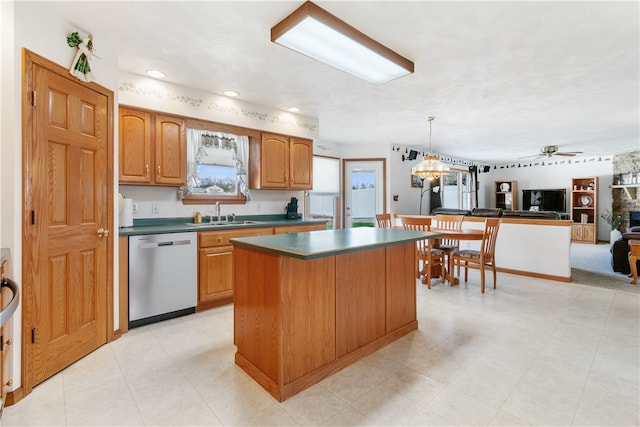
(162, 276)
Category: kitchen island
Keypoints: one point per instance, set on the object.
(309, 304)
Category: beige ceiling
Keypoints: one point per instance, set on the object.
(502, 78)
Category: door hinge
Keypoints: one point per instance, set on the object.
(34, 98)
(33, 217)
(33, 335)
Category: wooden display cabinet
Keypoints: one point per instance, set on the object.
(152, 148)
(584, 209)
(506, 195)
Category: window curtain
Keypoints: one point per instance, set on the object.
(241, 159)
(196, 152)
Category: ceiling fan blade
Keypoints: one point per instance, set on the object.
(568, 153)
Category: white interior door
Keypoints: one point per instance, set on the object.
(364, 193)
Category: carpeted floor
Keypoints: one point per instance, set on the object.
(591, 265)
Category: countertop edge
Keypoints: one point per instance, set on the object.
(285, 250)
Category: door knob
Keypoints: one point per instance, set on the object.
(103, 232)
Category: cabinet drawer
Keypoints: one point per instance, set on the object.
(218, 238)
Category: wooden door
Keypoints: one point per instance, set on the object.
(68, 205)
(275, 161)
(134, 142)
(170, 150)
(301, 164)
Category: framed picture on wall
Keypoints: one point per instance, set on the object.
(416, 181)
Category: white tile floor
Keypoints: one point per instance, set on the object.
(532, 352)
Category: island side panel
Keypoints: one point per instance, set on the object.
(360, 299)
(308, 315)
(401, 285)
(257, 313)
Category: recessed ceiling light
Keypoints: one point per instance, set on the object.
(231, 93)
(293, 109)
(156, 74)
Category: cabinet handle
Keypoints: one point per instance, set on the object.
(103, 232)
(9, 341)
(9, 383)
(158, 169)
(146, 170)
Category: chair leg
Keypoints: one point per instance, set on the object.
(482, 278)
(494, 275)
(466, 271)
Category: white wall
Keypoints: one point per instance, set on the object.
(35, 27)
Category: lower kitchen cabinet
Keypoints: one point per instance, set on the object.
(215, 265)
(288, 229)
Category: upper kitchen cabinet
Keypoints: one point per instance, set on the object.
(280, 162)
(152, 148)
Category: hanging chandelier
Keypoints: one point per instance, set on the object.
(430, 167)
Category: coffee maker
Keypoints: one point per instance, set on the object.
(292, 209)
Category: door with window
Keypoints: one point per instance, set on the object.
(364, 191)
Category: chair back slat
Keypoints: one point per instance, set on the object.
(383, 220)
(491, 227)
(448, 222)
(418, 224)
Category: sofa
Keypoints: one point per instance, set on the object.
(620, 251)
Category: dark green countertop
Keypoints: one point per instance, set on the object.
(179, 225)
(317, 244)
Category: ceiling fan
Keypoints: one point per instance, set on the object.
(552, 150)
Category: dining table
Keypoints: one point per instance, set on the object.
(463, 234)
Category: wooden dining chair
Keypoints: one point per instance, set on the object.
(483, 258)
(384, 220)
(448, 222)
(634, 256)
(432, 259)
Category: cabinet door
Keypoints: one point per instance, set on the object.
(170, 150)
(301, 164)
(576, 232)
(215, 279)
(589, 233)
(134, 147)
(274, 164)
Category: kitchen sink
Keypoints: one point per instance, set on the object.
(213, 224)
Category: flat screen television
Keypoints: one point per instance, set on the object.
(545, 200)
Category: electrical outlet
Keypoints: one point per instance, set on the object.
(155, 209)
(135, 208)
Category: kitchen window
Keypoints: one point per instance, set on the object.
(216, 168)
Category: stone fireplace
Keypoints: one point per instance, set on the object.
(623, 202)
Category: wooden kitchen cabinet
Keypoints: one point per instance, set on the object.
(215, 265)
(300, 228)
(152, 148)
(281, 162)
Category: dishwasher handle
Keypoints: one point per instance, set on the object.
(152, 245)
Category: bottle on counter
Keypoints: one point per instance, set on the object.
(197, 218)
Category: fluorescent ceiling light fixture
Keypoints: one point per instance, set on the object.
(232, 93)
(293, 109)
(156, 74)
(316, 33)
